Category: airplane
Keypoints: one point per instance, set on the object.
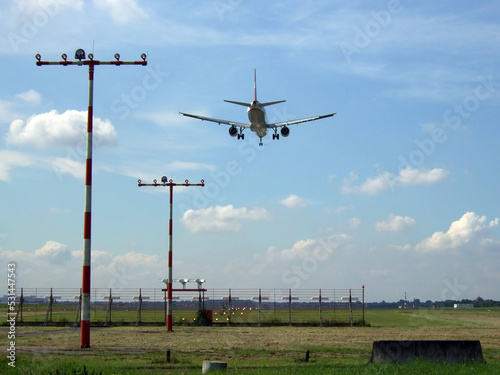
(257, 117)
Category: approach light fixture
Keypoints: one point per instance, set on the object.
(91, 56)
(64, 56)
(186, 181)
(154, 181)
(200, 282)
(139, 181)
(202, 181)
(164, 179)
(143, 57)
(117, 56)
(171, 181)
(80, 54)
(38, 57)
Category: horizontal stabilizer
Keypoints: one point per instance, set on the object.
(239, 103)
(271, 103)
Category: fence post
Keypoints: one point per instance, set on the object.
(334, 304)
(108, 312)
(78, 310)
(290, 307)
(229, 309)
(363, 298)
(48, 314)
(350, 307)
(260, 301)
(138, 319)
(20, 308)
(320, 312)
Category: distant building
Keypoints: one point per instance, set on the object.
(463, 306)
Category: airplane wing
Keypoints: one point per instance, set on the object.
(294, 122)
(225, 122)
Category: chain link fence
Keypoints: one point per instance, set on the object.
(217, 306)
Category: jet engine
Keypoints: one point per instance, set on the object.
(285, 132)
(233, 132)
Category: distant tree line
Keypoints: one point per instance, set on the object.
(418, 304)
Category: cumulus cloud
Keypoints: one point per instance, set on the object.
(30, 96)
(54, 129)
(317, 248)
(470, 229)
(293, 201)
(122, 11)
(221, 219)
(395, 223)
(54, 252)
(386, 180)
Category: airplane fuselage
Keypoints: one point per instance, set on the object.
(257, 117)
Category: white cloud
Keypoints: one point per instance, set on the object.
(317, 248)
(221, 219)
(355, 222)
(410, 176)
(470, 229)
(293, 201)
(30, 96)
(10, 159)
(68, 166)
(395, 223)
(122, 11)
(53, 129)
(54, 252)
(386, 180)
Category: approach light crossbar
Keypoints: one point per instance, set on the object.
(166, 182)
(80, 60)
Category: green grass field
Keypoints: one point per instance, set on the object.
(254, 350)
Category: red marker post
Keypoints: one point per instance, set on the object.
(91, 63)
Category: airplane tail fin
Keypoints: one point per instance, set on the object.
(254, 95)
(255, 84)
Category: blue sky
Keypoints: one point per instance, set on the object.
(397, 192)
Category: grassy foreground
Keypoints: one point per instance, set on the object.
(253, 350)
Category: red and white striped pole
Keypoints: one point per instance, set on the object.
(80, 55)
(169, 282)
(85, 316)
(171, 184)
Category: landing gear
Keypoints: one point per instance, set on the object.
(241, 135)
(276, 134)
(260, 143)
